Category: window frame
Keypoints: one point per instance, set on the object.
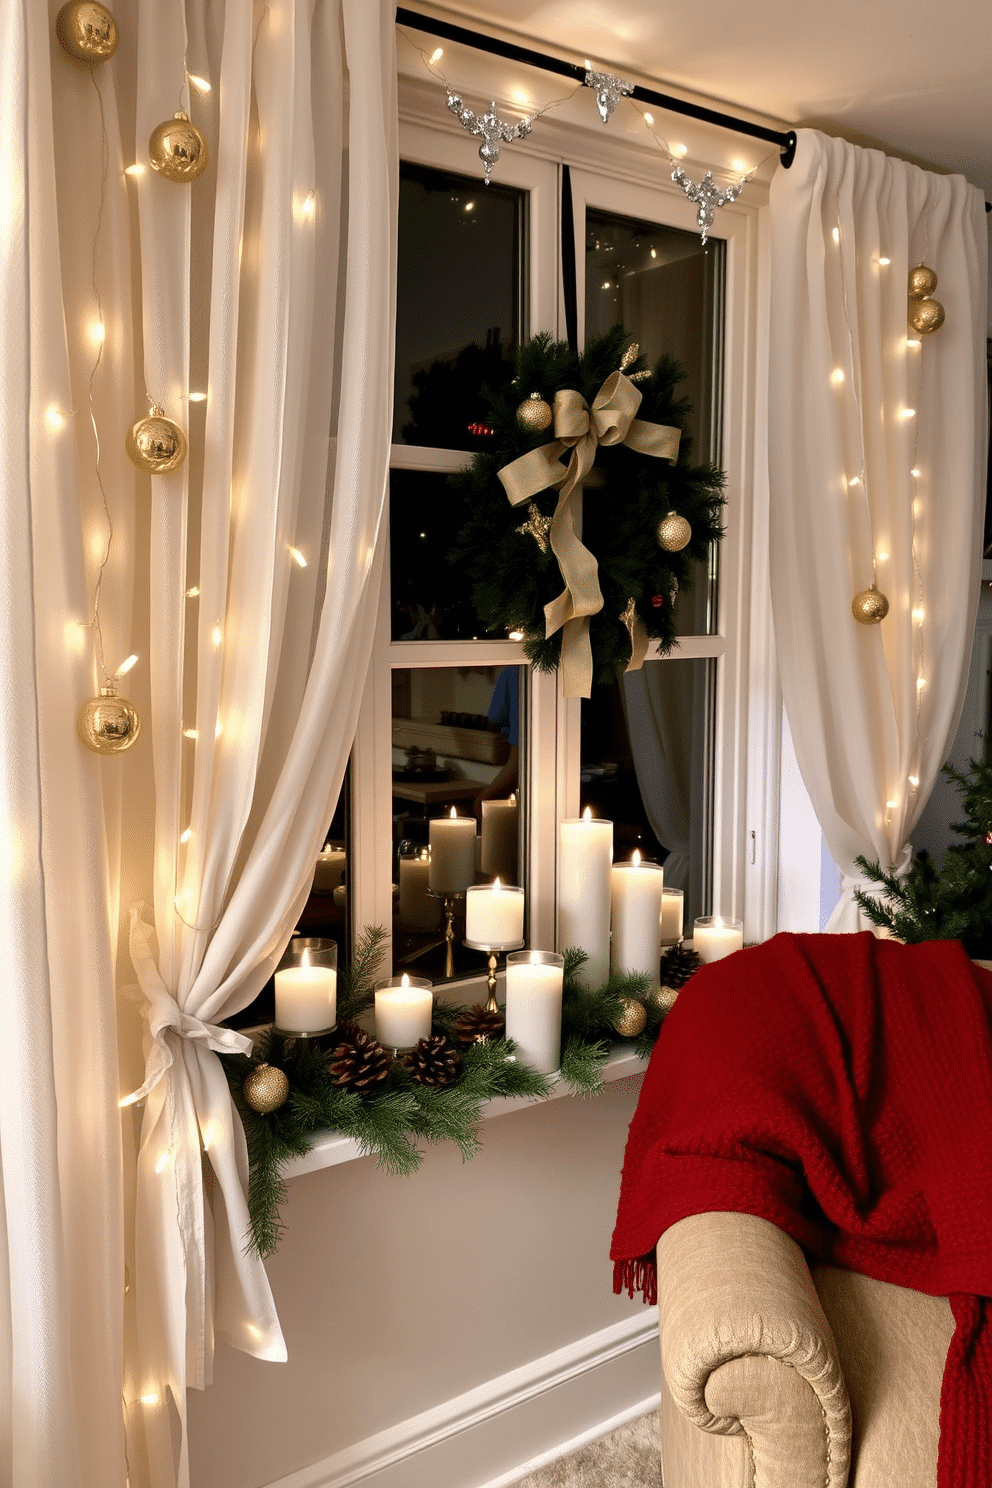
(627, 182)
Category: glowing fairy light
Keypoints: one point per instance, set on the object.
(297, 557)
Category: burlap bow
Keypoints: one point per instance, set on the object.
(581, 429)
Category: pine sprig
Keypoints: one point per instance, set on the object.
(582, 1065)
(356, 983)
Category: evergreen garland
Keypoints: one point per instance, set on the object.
(956, 902)
(389, 1123)
(513, 579)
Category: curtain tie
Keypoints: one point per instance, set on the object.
(581, 429)
(165, 1016)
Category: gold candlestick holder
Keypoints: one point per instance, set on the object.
(493, 952)
(448, 938)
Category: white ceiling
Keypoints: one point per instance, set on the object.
(908, 76)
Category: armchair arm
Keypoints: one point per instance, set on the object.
(746, 1348)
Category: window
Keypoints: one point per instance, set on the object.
(461, 310)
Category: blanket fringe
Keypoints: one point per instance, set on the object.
(639, 1275)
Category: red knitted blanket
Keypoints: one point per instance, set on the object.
(841, 1087)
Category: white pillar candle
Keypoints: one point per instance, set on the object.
(533, 1007)
(452, 861)
(636, 917)
(418, 911)
(671, 916)
(713, 937)
(404, 1007)
(329, 872)
(494, 915)
(306, 997)
(499, 839)
(584, 894)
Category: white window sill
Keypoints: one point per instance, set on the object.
(329, 1148)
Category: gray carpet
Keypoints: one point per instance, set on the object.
(627, 1458)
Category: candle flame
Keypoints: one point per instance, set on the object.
(535, 958)
(496, 885)
(587, 814)
(306, 958)
(513, 798)
(635, 858)
(404, 980)
(454, 814)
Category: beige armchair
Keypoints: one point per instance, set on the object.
(778, 1374)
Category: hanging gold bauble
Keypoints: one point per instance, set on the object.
(534, 414)
(926, 315)
(86, 31)
(922, 282)
(177, 149)
(156, 444)
(265, 1089)
(632, 1019)
(664, 998)
(108, 724)
(870, 606)
(674, 532)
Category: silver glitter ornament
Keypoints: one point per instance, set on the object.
(492, 129)
(707, 196)
(609, 91)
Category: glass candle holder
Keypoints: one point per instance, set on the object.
(494, 916)
(307, 987)
(404, 1010)
(533, 1007)
(671, 916)
(714, 937)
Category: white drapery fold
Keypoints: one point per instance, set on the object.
(876, 447)
(271, 284)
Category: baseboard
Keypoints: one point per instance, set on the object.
(542, 1403)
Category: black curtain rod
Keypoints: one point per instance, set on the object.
(785, 141)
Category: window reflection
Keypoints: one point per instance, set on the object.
(647, 764)
(431, 597)
(667, 291)
(458, 773)
(459, 304)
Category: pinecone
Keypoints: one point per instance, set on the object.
(359, 1062)
(433, 1062)
(478, 1026)
(677, 966)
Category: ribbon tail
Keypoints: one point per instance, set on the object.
(576, 658)
(534, 472)
(639, 640)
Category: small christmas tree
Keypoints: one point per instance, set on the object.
(956, 903)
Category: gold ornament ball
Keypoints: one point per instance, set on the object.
(664, 998)
(926, 316)
(922, 282)
(86, 31)
(108, 724)
(265, 1089)
(156, 444)
(534, 414)
(674, 532)
(870, 606)
(177, 149)
(633, 1017)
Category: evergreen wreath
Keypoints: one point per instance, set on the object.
(954, 903)
(505, 548)
(389, 1121)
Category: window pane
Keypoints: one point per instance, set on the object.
(431, 598)
(460, 306)
(667, 291)
(457, 744)
(647, 766)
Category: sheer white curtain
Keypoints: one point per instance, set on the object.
(877, 468)
(268, 284)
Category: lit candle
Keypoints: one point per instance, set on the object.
(494, 915)
(584, 894)
(404, 1007)
(636, 917)
(499, 839)
(671, 917)
(306, 997)
(418, 911)
(452, 860)
(533, 1007)
(330, 868)
(713, 937)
